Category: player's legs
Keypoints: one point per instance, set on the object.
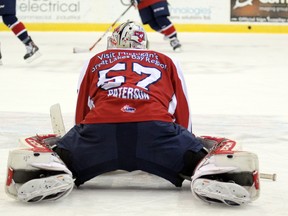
(156, 16)
(167, 149)
(19, 29)
(90, 150)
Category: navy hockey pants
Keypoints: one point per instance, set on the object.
(155, 147)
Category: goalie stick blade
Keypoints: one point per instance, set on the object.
(80, 50)
(57, 120)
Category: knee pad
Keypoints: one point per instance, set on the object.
(36, 173)
(227, 176)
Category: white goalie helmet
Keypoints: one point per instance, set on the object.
(128, 35)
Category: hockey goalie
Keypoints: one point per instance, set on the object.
(132, 113)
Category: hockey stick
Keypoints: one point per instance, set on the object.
(82, 50)
(57, 120)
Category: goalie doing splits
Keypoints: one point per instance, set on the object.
(132, 114)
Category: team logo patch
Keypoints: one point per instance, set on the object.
(140, 35)
(128, 109)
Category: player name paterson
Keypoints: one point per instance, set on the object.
(128, 93)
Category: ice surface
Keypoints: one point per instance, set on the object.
(237, 87)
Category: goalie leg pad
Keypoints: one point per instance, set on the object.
(228, 170)
(37, 173)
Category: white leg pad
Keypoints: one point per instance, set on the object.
(227, 176)
(36, 173)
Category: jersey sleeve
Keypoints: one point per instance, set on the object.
(82, 106)
(179, 106)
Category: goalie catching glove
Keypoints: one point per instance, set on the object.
(36, 173)
(226, 175)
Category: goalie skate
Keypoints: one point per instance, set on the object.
(213, 191)
(50, 188)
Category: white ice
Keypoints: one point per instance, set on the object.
(237, 87)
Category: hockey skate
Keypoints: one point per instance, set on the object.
(32, 51)
(175, 43)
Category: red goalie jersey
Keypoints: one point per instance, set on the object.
(132, 85)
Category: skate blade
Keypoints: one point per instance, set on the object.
(33, 57)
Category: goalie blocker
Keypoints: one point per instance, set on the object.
(227, 174)
(36, 173)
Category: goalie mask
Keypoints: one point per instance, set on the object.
(128, 35)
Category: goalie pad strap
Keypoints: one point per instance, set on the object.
(23, 176)
(243, 178)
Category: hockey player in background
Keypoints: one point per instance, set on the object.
(132, 113)
(155, 13)
(8, 13)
